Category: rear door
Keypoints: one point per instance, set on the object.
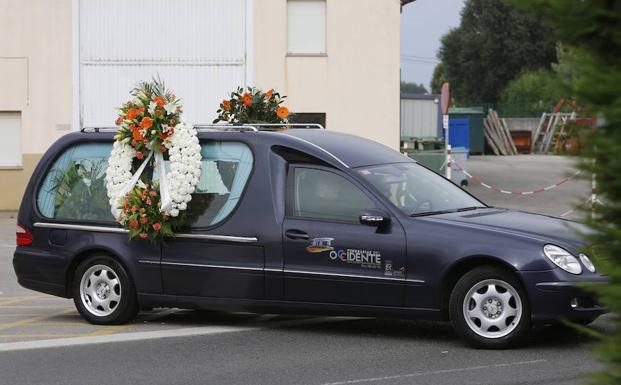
(329, 256)
(204, 260)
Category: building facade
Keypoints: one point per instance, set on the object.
(67, 63)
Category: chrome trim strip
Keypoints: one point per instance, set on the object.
(214, 237)
(150, 262)
(419, 281)
(118, 230)
(344, 275)
(67, 226)
(205, 265)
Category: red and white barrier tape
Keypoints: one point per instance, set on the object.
(458, 167)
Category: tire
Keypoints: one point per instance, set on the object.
(489, 309)
(103, 291)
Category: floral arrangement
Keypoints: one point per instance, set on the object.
(253, 106)
(150, 125)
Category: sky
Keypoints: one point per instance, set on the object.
(423, 23)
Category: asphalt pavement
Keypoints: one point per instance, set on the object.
(43, 340)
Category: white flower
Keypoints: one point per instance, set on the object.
(152, 106)
(170, 108)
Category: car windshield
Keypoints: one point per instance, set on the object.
(418, 191)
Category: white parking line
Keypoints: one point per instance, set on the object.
(136, 336)
(443, 371)
(122, 337)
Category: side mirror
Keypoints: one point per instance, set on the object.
(374, 217)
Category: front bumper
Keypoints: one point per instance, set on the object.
(553, 299)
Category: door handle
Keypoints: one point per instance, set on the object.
(296, 234)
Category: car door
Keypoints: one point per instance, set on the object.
(329, 256)
(202, 260)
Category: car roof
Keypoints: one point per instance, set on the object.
(352, 150)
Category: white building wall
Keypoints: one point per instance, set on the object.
(198, 47)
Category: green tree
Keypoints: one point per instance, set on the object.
(439, 77)
(531, 93)
(494, 43)
(591, 29)
(413, 88)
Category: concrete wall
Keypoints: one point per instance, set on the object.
(356, 83)
(35, 79)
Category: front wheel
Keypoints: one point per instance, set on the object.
(103, 292)
(489, 309)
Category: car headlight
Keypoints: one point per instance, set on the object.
(586, 261)
(563, 259)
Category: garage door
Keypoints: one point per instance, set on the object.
(198, 47)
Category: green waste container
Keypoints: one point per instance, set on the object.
(433, 159)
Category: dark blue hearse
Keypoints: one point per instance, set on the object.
(303, 221)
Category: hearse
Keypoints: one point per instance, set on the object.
(308, 221)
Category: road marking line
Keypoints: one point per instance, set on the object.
(35, 307)
(10, 301)
(31, 320)
(434, 372)
(168, 333)
(122, 337)
(39, 335)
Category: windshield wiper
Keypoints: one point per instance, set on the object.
(447, 211)
(470, 208)
(432, 213)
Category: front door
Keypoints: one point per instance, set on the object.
(329, 256)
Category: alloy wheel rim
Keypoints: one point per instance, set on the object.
(100, 290)
(492, 308)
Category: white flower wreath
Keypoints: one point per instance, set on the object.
(176, 186)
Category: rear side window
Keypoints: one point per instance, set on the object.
(319, 194)
(226, 167)
(74, 187)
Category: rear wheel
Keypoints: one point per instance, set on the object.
(489, 308)
(103, 292)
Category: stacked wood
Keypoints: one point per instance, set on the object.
(497, 135)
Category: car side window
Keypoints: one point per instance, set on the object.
(225, 170)
(320, 194)
(74, 187)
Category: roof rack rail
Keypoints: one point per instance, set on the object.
(225, 127)
(98, 129)
(275, 126)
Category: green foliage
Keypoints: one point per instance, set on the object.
(439, 77)
(413, 88)
(531, 94)
(591, 29)
(494, 43)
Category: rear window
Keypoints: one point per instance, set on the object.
(74, 188)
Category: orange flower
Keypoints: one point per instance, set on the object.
(133, 224)
(226, 105)
(146, 123)
(269, 93)
(144, 220)
(136, 134)
(139, 155)
(157, 226)
(282, 112)
(247, 99)
(118, 120)
(132, 113)
(159, 101)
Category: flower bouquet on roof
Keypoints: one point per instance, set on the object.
(251, 105)
(144, 196)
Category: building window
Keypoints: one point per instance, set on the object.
(306, 27)
(309, 117)
(11, 131)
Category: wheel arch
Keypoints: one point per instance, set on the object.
(81, 257)
(459, 268)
